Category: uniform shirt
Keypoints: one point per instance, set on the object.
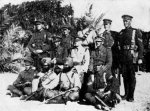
(51, 81)
(41, 40)
(125, 38)
(109, 41)
(81, 55)
(64, 49)
(101, 56)
(69, 80)
(24, 76)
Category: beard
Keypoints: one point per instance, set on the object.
(66, 69)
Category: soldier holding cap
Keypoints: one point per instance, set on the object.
(131, 44)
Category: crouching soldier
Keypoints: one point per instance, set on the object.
(22, 85)
(100, 75)
(68, 87)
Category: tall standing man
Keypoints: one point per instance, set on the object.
(131, 44)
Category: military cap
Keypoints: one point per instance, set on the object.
(40, 21)
(57, 39)
(127, 17)
(67, 26)
(107, 21)
(28, 60)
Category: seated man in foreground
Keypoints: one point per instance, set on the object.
(68, 87)
(22, 85)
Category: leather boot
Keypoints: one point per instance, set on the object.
(126, 87)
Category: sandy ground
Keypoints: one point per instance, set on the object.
(141, 103)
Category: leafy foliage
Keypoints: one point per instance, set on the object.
(17, 22)
(26, 13)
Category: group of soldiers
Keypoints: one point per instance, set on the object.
(85, 68)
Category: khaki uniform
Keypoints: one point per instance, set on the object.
(109, 41)
(48, 80)
(19, 86)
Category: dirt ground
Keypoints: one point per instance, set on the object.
(141, 103)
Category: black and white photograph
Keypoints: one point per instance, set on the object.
(74, 55)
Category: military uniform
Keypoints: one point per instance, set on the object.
(22, 85)
(115, 52)
(41, 41)
(64, 49)
(100, 72)
(128, 70)
(67, 80)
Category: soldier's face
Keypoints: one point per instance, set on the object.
(127, 23)
(66, 31)
(57, 44)
(39, 26)
(107, 27)
(98, 43)
(27, 65)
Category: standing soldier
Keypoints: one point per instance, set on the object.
(41, 44)
(63, 45)
(130, 43)
(112, 38)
